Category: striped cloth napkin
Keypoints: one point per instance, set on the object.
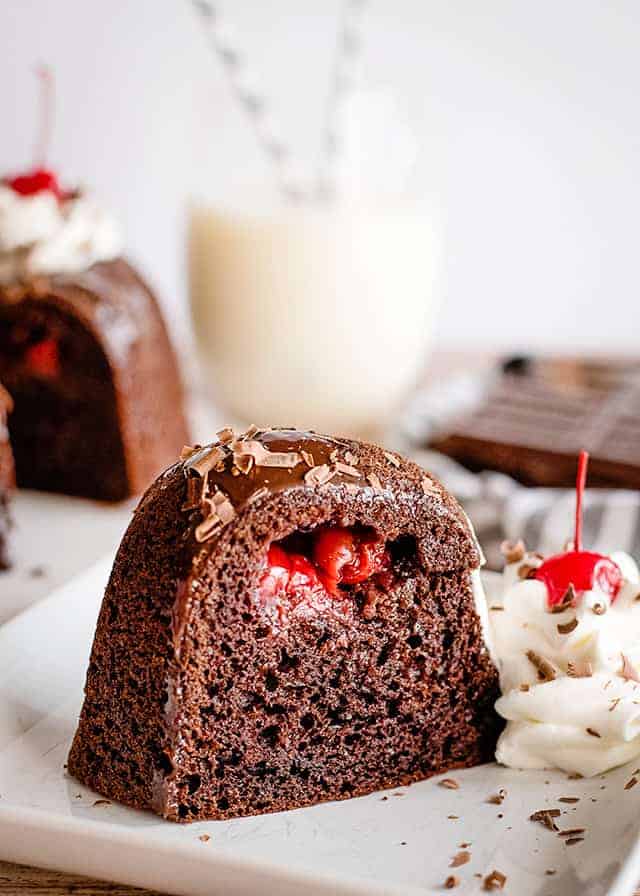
(501, 508)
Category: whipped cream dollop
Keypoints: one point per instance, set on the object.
(41, 234)
(570, 680)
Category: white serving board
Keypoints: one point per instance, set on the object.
(397, 844)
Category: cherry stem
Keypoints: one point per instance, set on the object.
(43, 141)
(581, 479)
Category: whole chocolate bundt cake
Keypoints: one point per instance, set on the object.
(6, 475)
(97, 396)
(290, 618)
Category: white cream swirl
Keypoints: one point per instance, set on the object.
(585, 724)
(40, 234)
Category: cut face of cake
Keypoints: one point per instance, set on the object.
(291, 618)
(6, 476)
(98, 408)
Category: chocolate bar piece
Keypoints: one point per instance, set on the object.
(537, 414)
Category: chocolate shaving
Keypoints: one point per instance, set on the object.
(374, 481)
(527, 570)
(351, 458)
(451, 882)
(568, 799)
(631, 783)
(347, 470)
(545, 818)
(250, 432)
(429, 486)
(319, 475)
(565, 628)
(497, 609)
(226, 435)
(258, 494)
(579, 669)
(545, 670)
(568, 601)
(449, 784)
(205, 460)
(573, 840)
(614, 703)
(524, 687)
(262, 457)
(628, 671)
(307, 457)
(220, 512)
(195, 490)
(101, 802)
(460, 858)
(494, 881)
(599, 609)
(571, 832)
(593, 732)
(187, 451)
(393, 460)
(574, 776)
(513, 551)
(243, 462)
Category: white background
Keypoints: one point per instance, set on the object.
(527, 113)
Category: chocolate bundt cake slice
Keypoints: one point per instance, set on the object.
(6, 475)
(98, 401)
(290, 618)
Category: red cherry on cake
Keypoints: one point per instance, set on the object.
(43, 358)
(37, 181)
(583, 570)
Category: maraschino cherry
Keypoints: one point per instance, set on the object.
(578, 569)
(40, 179)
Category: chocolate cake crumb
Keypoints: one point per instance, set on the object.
(498, 798)
(451, 882)
(568, 601)
(599, 609)
(449, 783)
(204, 838)
(631, 783)
(460, 858)
(593, 732)
(494, 881)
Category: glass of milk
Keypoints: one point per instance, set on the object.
(315, 315)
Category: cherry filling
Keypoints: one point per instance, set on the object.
(43, 358)
(333, 557)
(583, 570)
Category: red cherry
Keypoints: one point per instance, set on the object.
(43, 358)
(36, 181)
(583, 570)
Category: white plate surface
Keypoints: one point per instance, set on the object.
(398, 843)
